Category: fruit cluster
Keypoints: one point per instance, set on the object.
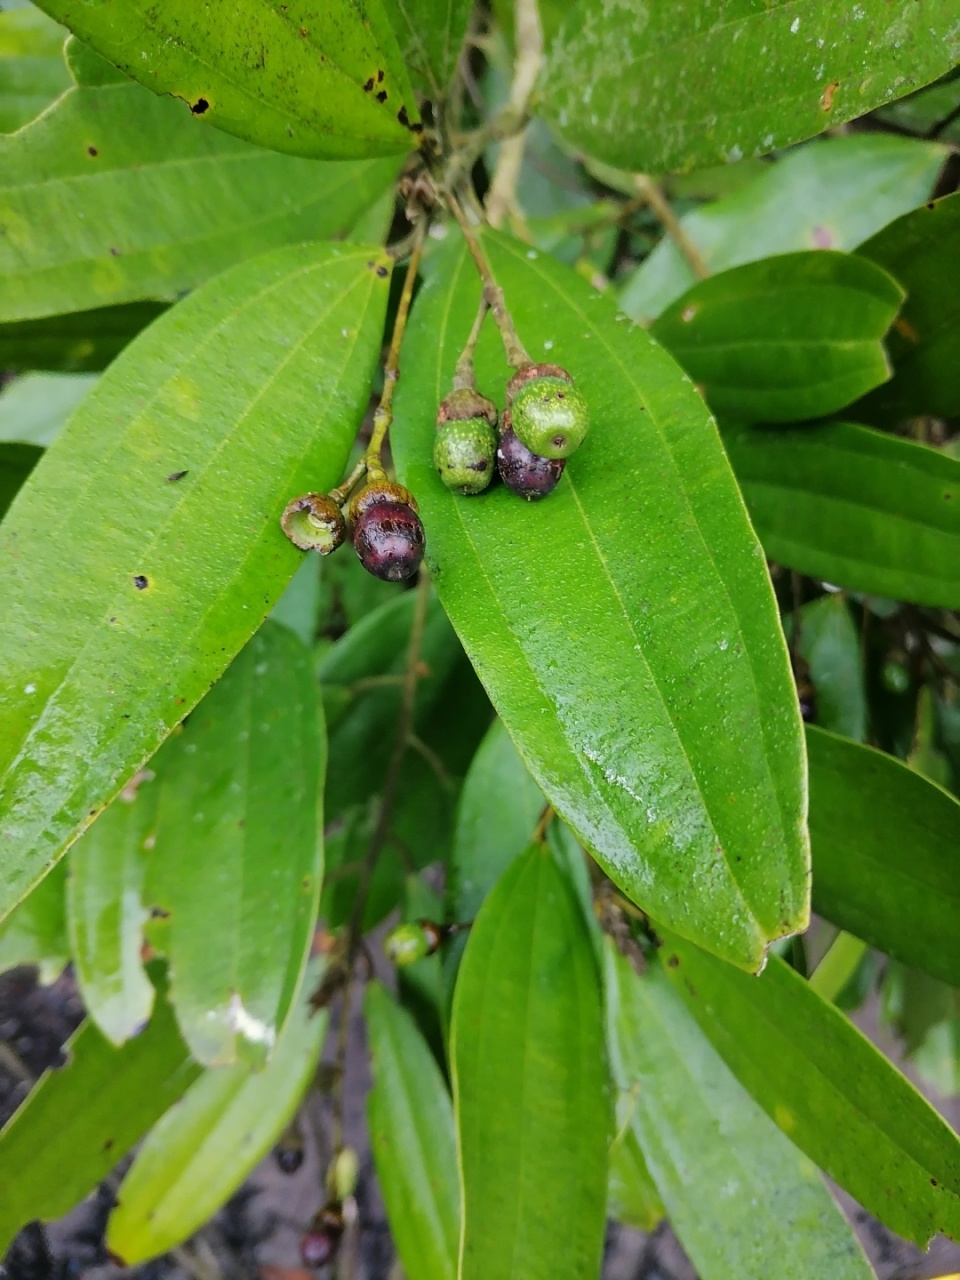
(544, 421)
(386, 530)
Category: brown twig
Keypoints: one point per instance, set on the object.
(651, 193)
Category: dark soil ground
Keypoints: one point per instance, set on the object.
(256, 1236)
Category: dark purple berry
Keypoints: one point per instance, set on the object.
(320, 1242)
(389, 540)
(289, 1159)
(523, 472)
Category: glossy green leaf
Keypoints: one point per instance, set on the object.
(131, 588)
(116, 195)
(430, 33)
(106, 913)
(925, 1013)
(530, 1083)
(34, 408)
(36, 932)
(638, 584)
(922, 249)
(828, 1088)
(80, 1119)
(632, 1195)
(884, 843)
(203, 1148)
(830, 644)
(790, 337)
(855, 507)
(319, 79)
(411, 1131)
(742, 1200)
(16, 463)
(299, 606)
(657, 86)
(78, 342)
(32, 69)
(238, 858)
(838, 966)
(828, 195)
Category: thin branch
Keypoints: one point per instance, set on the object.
(432, 759)
(648, 189)
(464, 377)
(502, 199)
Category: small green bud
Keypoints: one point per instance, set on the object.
(345, 1170)
(895, 677)
(464, 453)
(550, 416)
(408, 943)
(314, 522)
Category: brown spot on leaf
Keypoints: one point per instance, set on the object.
(382, 272)
(906, 329)
(140, 581)
(200, 106)
(92, 151)
(174, 476)
(673, 961)
(381, 96)
(115, 251)
(303, 33)
(826, 102)
(368, 86)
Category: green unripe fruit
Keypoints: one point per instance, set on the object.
(464, 453)
(895, 677)
(549, 416)
(408, 943)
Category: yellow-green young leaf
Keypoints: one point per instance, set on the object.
(16, 463)
(146, 547)
(115, 195)
(832, 194)
(106, 913)
(530, 1083)
(831, 1092)
(855, 507)
(660, 86)
(884, 843)
(238, 854)
(77, 342)
(32, 69)
(624, 628)
(200, 1151)
(742, 1200)
(318, 78)
(36, 932)
(922, 249)
(411, 1132)
(431, 34)
(80, 1119)
(790, 337)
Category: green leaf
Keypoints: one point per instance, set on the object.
(632, 1196)
(638, 585)
(36, 932)
(431, 34)
(791, 337)
(742, 1200)
(854, 507)
(838, 966)
(251, 390)
(828, 195)
(324, 80)
(299, 606)
(32, 69)
(77, 342)
(34, 408)
(657, 86)
(830, 645)
(80, 1119)
(238, 858)
(108, 867)
(922, 249)
(411, 1132)
(157, 204)
(831, 1092)
(530, 1082)
(201, 1150)
(16, 463)
(884, 843)
(926, 1014)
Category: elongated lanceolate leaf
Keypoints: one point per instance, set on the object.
(854, 507)
(32, 69)
(790, 337)
(742, 1200)
(115, 195)
(80, 1119)
(105, 901)
(658, 86)
(530, 1083)
(922, 249)
(430, 33)
(16, 463)
(36, 931)
(319, 78)
(146, 547)
(77, 342)
(201, 1150)
(830, 643)
(238, 858)
(884, 844)
(831, 1092)
(411, 1131)
(625, 628)
(832, 194)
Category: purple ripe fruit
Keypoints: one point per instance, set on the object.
(320, 1242)
(387, 532)
(524, 473)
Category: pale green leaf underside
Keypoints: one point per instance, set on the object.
(130, 592)
(32, 69)
(625, 628)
